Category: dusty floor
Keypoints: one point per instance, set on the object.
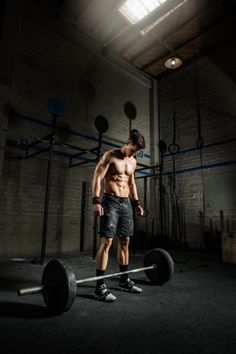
(195, 312)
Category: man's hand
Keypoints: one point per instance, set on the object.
(98, 210)
(140, 210)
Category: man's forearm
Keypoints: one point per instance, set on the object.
(96, 187)
(133, 192)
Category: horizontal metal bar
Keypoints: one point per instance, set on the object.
(191, 169)
(86, 151)
(147, 167)
(29, 291)
(37, 153)
(38, 289)
(70, 146)
(39, 140)
(86, 280)
(69, 131)
(79, 154)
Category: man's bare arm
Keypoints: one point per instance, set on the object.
(99, 173)
(134, 195)
(133, 188)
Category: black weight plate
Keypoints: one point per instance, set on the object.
(101, 124)
(164, 263)
(130, 110)
(60, 286)
(56, 107)
(162, 146)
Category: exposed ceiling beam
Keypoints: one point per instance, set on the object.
(145, 50)
(189, 22)
(126, 34)
(163, 41)
(155, 43)
(192, 43)
(131, 43)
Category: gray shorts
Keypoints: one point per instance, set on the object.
(118, 216)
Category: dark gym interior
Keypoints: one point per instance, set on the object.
(77, 79)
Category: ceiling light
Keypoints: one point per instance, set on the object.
(173, 63)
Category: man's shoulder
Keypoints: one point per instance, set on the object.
(113, 152)
(133, 159)
(109, 154)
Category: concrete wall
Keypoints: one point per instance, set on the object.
(205, 186)
(49, 60)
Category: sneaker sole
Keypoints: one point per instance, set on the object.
(130, 290)
(103, 300)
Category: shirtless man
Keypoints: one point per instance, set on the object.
(116, 167)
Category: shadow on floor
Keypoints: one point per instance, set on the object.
(19, 310)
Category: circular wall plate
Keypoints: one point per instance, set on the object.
(130, 110)
(162, 146)
(56, 107)
(101, 124)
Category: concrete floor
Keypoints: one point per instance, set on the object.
(195, 312)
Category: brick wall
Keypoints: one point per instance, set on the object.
(204, 188)
(50, 63)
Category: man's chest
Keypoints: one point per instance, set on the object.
(122, 166)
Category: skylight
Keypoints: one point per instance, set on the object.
(136, 10)
(162, 18)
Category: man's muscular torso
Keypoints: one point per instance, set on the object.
(119, 174)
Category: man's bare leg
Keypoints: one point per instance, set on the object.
(123, 250)
(102, 257)
(123, 259)
(123, 256)
(103, 253)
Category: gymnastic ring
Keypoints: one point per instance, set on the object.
(173, 148)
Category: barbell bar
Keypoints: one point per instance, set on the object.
(39, 289)
(59, 285)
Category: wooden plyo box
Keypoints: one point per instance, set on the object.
(228, 241)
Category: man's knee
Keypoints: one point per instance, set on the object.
(106, 243)
(124, 242)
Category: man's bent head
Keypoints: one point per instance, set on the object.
(137, 139)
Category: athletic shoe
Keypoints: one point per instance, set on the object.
(103, 294)
(128, 285)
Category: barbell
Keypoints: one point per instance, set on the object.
(59, 285)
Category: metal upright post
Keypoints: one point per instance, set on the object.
(161, 201)
(47, 192)
(96, 217)
(145, 203)
(162, 150)
(82, 214)
(56, 109)
(102, 126)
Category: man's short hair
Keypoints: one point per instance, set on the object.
(137, 139)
